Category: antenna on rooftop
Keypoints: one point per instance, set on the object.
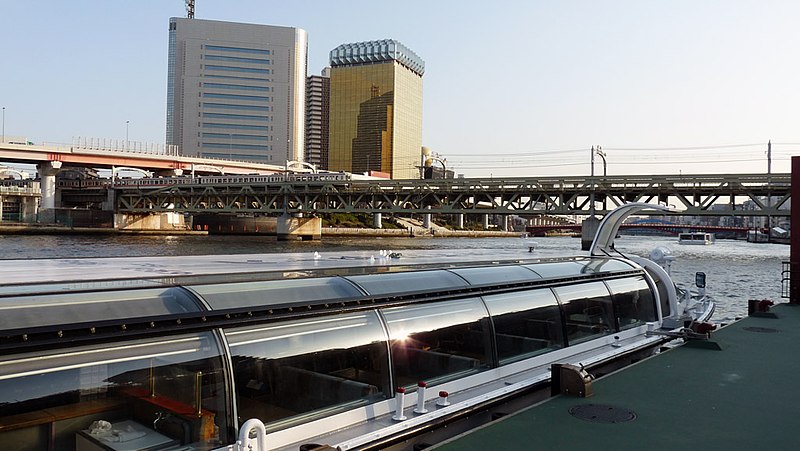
(190, 9)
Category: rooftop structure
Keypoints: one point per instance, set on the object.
(376, 52)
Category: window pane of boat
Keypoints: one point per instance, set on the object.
(438, 342)
(526, 323)
(405, 281)
(496, 274)
(588, 310)
(634, 302)
(45, 310)
(274, 292)
(128, 381)
(302, 369)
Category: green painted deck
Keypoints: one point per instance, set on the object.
(746, 396)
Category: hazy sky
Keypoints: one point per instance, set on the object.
(510, 87)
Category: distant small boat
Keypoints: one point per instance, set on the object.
(696, 238)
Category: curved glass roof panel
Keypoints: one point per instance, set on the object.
(559, 269)
(275, 292)
(578, 267)
(496, 274)
(608, 265)
(405, 282)
(46, 310)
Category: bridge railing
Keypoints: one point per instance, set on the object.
(121, 145)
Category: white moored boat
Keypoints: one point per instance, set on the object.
(696, 238)
(293, 351)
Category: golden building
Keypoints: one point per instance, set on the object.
(376, 109)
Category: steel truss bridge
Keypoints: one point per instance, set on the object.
(691, 195)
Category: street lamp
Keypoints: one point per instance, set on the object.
(127, 123)
(4, 126)
(601, 154)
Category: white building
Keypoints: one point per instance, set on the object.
(236, 91)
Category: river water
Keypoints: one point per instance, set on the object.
(736, 270)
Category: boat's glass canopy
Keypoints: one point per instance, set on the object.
(46, 310)
(108, 300)
(275, 292)
(496, 274)
(400, 282)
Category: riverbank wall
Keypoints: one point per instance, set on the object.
(415, 232)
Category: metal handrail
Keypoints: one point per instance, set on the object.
(786, 278)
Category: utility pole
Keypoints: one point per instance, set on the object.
(769, 193)
(591, 193)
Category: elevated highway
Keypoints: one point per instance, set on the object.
(163, 160)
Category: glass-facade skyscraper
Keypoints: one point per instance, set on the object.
(236, 91)
(376, 109)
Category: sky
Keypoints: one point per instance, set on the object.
(511, 88)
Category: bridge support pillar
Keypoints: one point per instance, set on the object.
(588, 231)
(486, 222)
(426, 219)
(460, 221)
(377, 220)
(47, 174)
(149, 221)
(290, 228)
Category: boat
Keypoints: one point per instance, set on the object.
(299, 351)
(696, 238)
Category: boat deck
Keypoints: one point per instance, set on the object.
(745, 396)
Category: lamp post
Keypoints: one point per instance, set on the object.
(4, 126)
(601, 154)
(127, 128)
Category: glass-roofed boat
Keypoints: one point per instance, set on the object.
(303, 351)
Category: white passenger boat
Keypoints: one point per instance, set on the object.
(696, 238)
(295, 351)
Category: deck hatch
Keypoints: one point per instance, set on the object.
(763, 330)
(602, 413)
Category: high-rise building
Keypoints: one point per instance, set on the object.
(376, 109)
(318, 99)
(236, 90)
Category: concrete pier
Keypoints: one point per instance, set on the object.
(291, 228)
(588, 231)
(47, 174)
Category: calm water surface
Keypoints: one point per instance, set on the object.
(736, 270)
